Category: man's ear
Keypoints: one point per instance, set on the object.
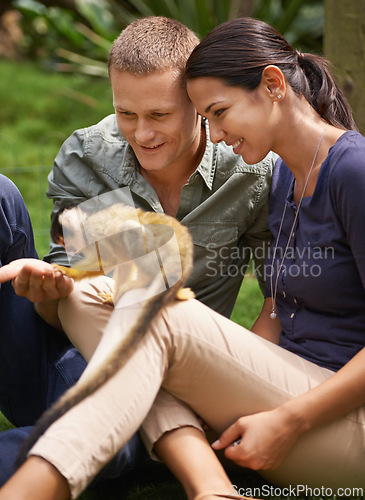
(274, 80)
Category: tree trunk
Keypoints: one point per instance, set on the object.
(344, 46)
(4, 6)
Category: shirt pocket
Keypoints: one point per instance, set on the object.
(215, 252)
(214, 234)
(218, 268)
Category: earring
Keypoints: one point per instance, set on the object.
(279, 96)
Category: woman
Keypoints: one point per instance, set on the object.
(288, 401)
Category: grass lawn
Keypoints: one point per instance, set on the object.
(38, 111)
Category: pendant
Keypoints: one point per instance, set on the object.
(273, 315)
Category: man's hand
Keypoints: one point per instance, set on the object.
(259, 441)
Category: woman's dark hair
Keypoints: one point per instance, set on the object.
(238, 51)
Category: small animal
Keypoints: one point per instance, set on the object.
(143, 250)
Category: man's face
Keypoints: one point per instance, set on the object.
(156, 117)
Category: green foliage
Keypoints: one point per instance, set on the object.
(80, 40)
(200, 15)
(300, 21)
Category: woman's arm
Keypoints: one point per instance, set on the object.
(266, 327)
(268, 437)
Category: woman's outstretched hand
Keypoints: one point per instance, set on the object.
(36, 280)
(259, 441)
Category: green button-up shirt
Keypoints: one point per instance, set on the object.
(224, 204)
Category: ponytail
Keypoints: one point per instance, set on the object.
(323, 93)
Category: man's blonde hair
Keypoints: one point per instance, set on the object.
(152, 43)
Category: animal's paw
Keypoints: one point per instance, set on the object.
(70, 272)
(107, 298)
(76, 274)
(64, 270)
(185, 294)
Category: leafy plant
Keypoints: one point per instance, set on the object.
(79, 39)
(300, 21)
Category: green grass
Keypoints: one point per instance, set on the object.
(38, 111)
(248, 304)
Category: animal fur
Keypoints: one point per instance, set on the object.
(115, 238)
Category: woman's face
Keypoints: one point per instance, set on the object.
(244, 120)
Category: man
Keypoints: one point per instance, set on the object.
(158, 146)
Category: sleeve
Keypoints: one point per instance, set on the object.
(67, 184)
(16, 234)
(347, 188)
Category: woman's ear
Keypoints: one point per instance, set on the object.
(274, 81)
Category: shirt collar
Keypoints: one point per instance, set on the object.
(206, 167)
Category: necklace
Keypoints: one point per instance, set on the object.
(273, 314)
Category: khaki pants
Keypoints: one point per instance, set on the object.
(206, 365)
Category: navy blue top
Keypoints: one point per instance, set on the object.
(321, 288)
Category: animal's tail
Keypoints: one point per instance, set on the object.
(96, 379)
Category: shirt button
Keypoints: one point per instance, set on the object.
(292, 316)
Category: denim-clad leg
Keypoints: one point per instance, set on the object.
(34, 367)
(132, 455)
(37, 362)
